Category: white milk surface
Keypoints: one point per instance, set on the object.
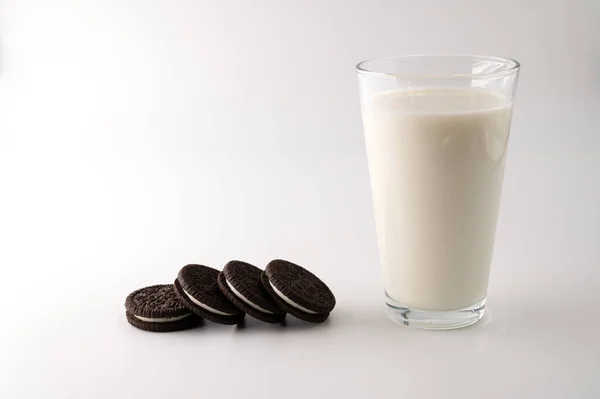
(436, 162)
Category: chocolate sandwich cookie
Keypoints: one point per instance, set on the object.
(240, 283)
(196, 286)
(298, 291)
(157, 309)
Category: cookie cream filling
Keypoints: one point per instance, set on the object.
(206, 307)
(162, 319)
(243, 298)
(289, 301)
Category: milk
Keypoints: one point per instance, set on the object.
(436, 162)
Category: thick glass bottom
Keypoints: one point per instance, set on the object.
(435, 320)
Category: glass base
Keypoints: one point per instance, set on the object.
(435, 320)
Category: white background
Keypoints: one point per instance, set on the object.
(138, 136)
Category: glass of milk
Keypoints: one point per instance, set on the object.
(436, 132)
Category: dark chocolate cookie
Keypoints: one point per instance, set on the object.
(240, 283)
(196, 286)
(157, 308)
(298, 291)
(299, 314)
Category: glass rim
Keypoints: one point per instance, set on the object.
(512, 64)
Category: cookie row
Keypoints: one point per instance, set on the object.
(201, 292)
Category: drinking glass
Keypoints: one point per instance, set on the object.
(436, 132)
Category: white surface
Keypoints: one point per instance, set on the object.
(137, 136)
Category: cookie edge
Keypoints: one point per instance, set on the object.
(197, 310)
(244, 307)
(179, 325)
(297, 313)
(267, 304)
(292, 295)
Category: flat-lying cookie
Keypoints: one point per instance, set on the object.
(298, 291)
(157, 309)
(240, 282)
(196, 286)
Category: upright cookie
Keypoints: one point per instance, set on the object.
(157, 309)
(240, 283)
(196, 286)
(298, 291)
